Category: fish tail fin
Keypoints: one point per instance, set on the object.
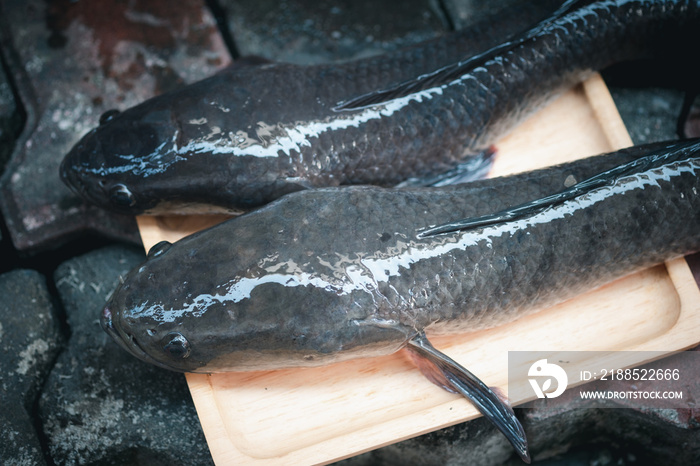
(448, 374)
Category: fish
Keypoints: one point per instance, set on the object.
(250, 134)
(140, 131)
(332, 274)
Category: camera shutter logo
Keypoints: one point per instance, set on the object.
(546, 372)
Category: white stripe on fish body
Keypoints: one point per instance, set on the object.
(293, 138)
(365, 274)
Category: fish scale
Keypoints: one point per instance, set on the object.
(347, 268)
(314, 126)
(332, 274)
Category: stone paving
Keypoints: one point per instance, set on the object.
(72, 61)
(69, 394)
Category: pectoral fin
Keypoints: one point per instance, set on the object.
(474, 167)
(448, 374)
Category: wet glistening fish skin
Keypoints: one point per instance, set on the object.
(337, 273)
(249, 135)
(332, 274)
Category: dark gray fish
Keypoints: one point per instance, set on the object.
(332, 274)
(249, 135)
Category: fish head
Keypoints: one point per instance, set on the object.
(208, 304)
(108, 165)
(204, 148)
(132, 327)
(157, 157)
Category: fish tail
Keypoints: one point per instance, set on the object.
(451, 72)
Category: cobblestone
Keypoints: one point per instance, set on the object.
(305, 31)
(101, 404)
(72, 61)
(10, 120)
(29, 342)
(94, 403)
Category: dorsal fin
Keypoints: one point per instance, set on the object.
(526, 209)
(451, 72)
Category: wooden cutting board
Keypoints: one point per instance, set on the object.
(320, 415)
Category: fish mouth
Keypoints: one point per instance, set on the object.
(74, 159)
(128, 343)
(80, 184)
(72, 179)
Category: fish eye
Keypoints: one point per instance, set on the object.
(108, 116)
(158, 249)
(176, 345)
(121, 196)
